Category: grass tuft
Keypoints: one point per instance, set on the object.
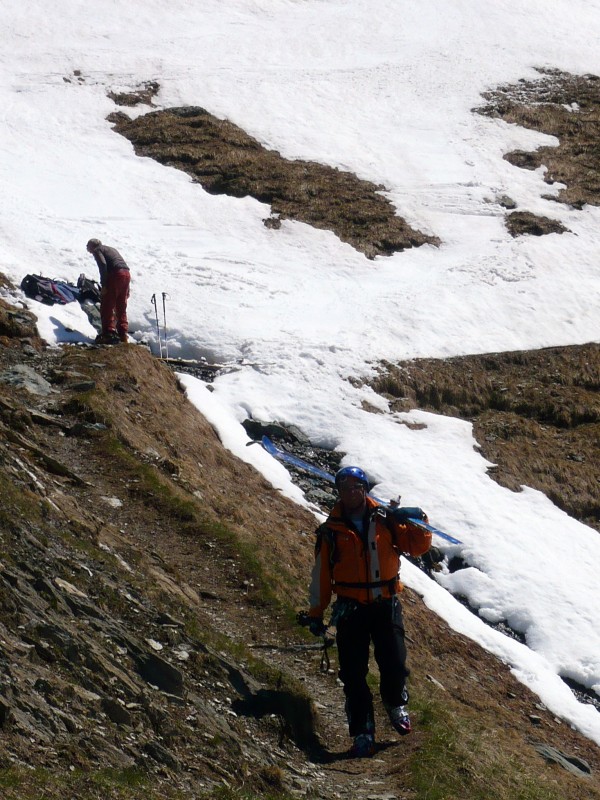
(456, 761)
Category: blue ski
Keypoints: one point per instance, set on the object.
(288, 458)
(277, 452)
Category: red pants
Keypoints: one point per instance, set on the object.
(113, 305)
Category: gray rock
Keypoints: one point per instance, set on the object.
(87, 429)
(506, 202)
(162, 755)
(158, 672)
(571, 763)
(116, 712)
(24, 377)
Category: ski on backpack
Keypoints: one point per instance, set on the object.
(288, 458)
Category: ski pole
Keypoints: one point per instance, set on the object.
(153, 301)
(164, 296)
(303, 619)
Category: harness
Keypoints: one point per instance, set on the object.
(391, 584)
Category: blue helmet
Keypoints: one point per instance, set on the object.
(351, 472)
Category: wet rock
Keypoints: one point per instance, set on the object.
(275, 430)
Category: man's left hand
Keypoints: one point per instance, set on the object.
(403, 514)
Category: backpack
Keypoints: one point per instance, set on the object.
(89, 290)
(47, 291)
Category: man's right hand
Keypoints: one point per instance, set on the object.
(317, 627)
(314, 624)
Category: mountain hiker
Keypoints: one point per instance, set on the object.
(357, 557)
(114, 280)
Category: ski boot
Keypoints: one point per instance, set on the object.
(364, 746)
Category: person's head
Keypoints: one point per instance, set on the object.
(352, 486)
(93, 244)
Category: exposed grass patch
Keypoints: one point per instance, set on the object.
(535, 414)
(524, 222)
(17, 503)
(14, 323)
(226, 160)
(562, 105)
(147, 482)
(84, 406)
(129, 783)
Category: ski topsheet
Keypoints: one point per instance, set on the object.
(289, 458)
(277, 452)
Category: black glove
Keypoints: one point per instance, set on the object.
(404, 513)
(317, 627)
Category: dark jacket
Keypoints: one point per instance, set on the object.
(108, 260)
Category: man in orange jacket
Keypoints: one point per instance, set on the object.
(357, 557)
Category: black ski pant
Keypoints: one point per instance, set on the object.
(381, 623)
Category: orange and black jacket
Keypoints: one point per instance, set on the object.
(363, 567)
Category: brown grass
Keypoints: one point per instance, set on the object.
(562, 105)
(535, 414)
(226, 160)
(521, 222)
(143, 94)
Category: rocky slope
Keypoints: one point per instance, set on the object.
(148, 581)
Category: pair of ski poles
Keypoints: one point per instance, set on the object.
(155, 304)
